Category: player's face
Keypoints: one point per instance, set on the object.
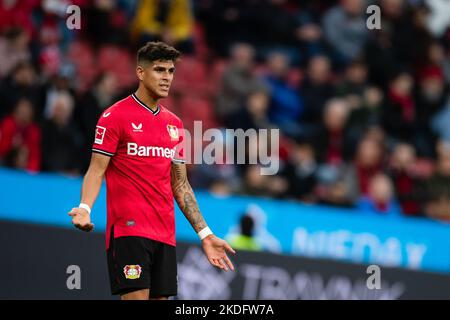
(157, 77)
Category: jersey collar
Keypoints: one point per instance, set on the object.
(145, 106)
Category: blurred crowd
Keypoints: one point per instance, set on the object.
(363, 114)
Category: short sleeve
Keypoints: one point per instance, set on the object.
(180, 156)
(107, 134)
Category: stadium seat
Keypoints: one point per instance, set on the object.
(197, 109)
(83, 57)
(201, 49)
(191, 77)
(118, 61)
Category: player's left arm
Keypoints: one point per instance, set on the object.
(214, 247)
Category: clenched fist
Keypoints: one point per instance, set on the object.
(81, 219)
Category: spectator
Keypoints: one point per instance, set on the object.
(337, 187)
(438, 186)
(232, 19)
(431, 99)
(262, 236)
(380, 199)
(368, 162)
(261, 185)
(106, 23)
(255, 114)
(369, 112)
(434, 59)
(15, 13)
(61, 82)
(89, 108)
(342, 183)
(22, 83)
(238, 81)
(406, 30)
(365, 116)
(316, 90)
(170, 21)
(300, 172)
(376, 134)
(399, 114)
(407, 182)
(20, 138)
(354, 82)
(274, 26)
(244, 240)
(61, 143)
(13, 50)
(286, 105)
(380, 54)
(330, 140)
(309, 34)
(52, 35)
(345, 29)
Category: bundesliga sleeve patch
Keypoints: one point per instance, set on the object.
(132, 271)
(99, 134)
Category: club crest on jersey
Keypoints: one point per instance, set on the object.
(99, 134)
(173, 132)
(137, 128)
(132, 271)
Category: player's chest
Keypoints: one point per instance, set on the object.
(148, 132)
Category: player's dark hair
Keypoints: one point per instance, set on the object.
(154, 51)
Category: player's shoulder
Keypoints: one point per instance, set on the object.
(117, 109)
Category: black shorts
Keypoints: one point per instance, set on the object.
(136, 263)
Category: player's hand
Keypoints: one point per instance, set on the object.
(81, 219)
(216, 252)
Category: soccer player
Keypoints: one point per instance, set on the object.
(137, 148)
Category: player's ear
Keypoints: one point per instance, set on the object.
(140, 73)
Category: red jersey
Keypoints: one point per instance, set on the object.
(12, 135)
(142, 143)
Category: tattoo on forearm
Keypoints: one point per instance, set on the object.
(184, 195)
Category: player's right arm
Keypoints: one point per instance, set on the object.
(92, 182)
(107, 136)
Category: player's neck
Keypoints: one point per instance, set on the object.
(146, 98)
